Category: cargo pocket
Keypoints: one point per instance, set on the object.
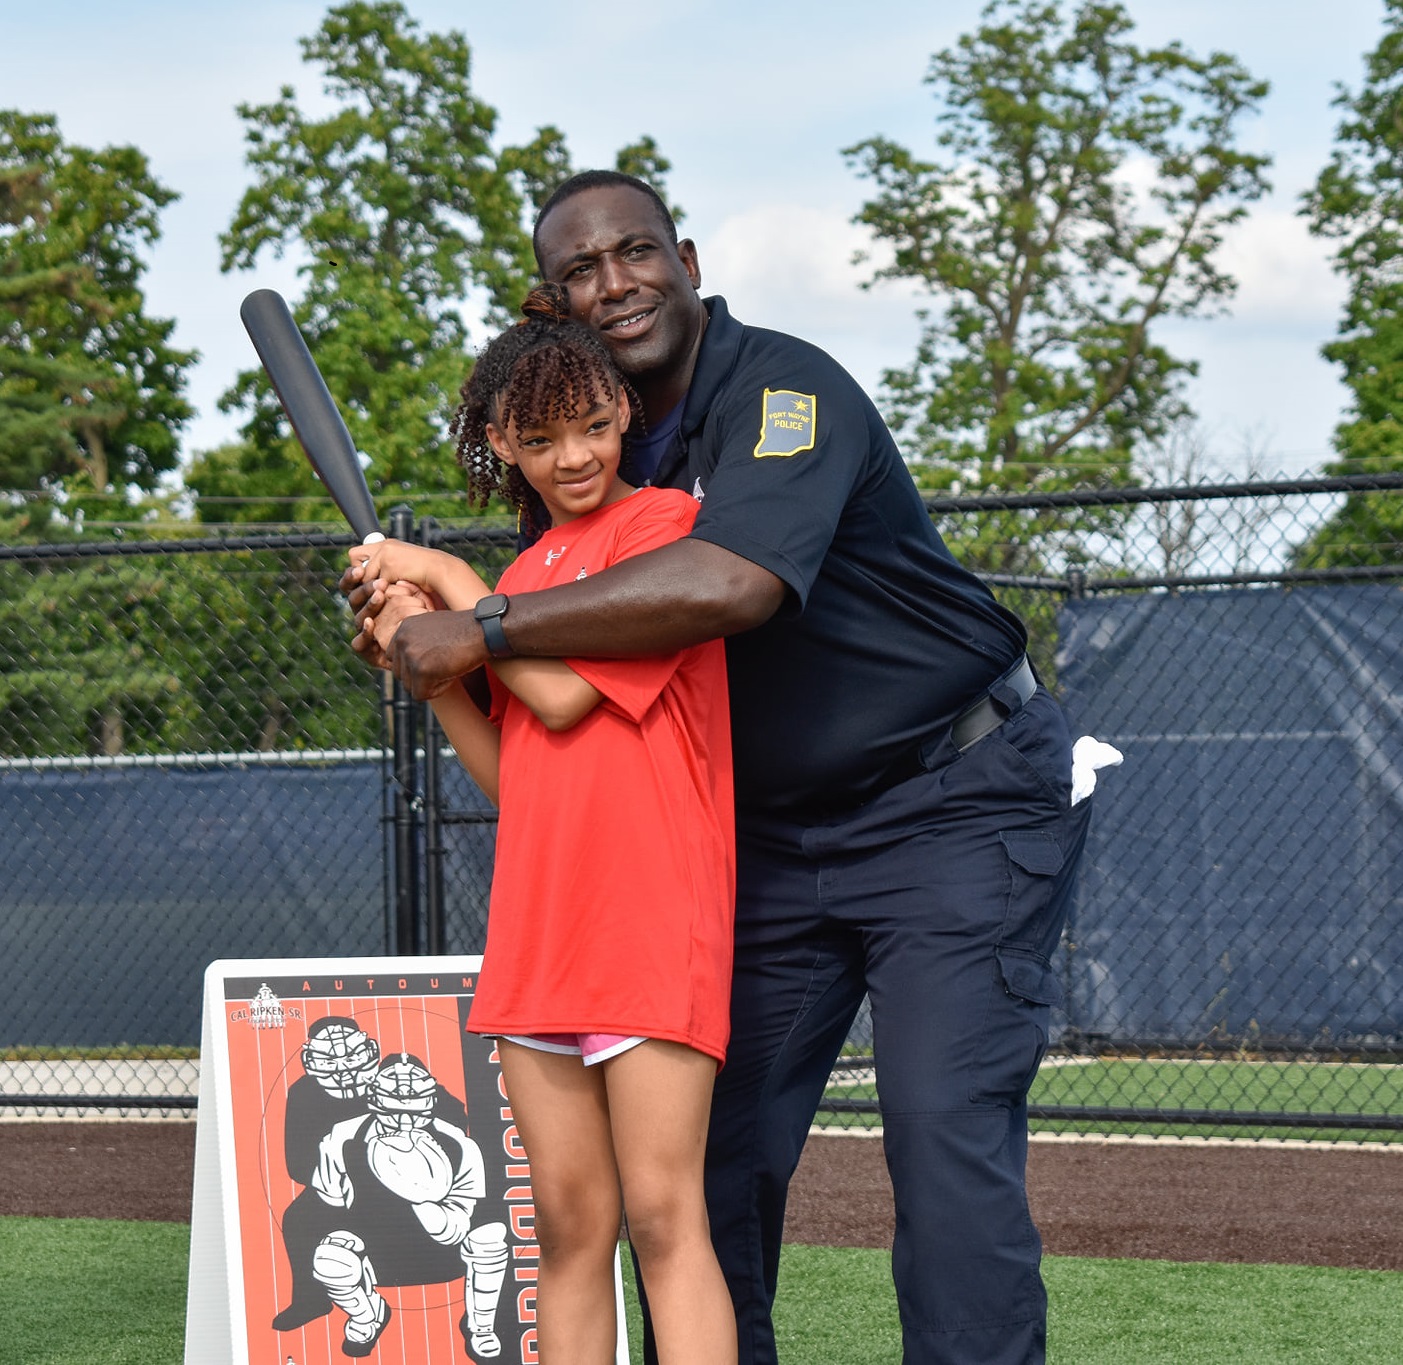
(1028, 977)
(1036, 906)
(1016, 1027)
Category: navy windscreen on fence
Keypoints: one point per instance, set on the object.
(122, 883)
(1243, 881)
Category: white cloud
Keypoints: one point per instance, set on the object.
(1283, 273)
(794, 252)
(791, 268)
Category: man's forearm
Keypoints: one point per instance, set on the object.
(655, 603)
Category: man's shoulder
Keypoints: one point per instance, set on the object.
(750, 364)
(755, 345)
(759, 374)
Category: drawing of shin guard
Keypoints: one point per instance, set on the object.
(344, 1270)
(484, 1254)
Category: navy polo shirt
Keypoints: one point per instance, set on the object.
(884, 638)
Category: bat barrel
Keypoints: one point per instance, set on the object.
(310, 409)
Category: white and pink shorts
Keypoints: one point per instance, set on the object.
(591, 1047)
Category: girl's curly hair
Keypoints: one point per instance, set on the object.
(544, 368)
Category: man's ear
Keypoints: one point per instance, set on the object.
(499, 445)
(687, 254)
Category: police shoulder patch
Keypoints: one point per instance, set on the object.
(787, 423)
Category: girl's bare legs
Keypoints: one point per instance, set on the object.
(659, 1098)
(562, 1114)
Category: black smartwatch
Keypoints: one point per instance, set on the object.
(488, 614)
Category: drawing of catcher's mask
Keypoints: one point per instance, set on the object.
(341, 1058)
(403, 1095)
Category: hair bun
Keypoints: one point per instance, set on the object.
(547, 302)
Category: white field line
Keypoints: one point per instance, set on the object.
(1154, 1140)
(135, 1081)
(868, 1077)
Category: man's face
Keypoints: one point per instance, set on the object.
(626, 278)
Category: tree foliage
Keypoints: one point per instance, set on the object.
(409, 224)
(1357, 203)
(91, 391)
(1082, 190)
(180, 653)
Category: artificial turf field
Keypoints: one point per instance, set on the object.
(112, 1292)
(1164, 1251)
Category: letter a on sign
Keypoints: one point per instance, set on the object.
(787, 423)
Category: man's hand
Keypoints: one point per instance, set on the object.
(394, 604)
(428, 650)
(365, 601)
(431, 651)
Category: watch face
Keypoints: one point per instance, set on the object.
(489, 613)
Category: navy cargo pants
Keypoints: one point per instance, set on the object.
(943, 899)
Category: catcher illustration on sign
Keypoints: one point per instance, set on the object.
(404, 1183)
(376, 1146)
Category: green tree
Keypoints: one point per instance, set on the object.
(408, 223)
(91, 391)
(1357, 203)
(180, 653)
(1037, 368)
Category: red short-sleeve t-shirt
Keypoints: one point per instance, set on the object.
(614, 885)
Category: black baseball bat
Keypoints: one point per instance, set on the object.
(310, 408)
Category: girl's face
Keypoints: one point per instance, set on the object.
(572, 462)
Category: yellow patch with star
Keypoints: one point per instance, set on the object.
(787, 424)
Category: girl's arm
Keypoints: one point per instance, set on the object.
(554, 692)
(476, 741)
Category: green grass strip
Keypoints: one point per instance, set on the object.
(1288, 1087)
(96, 1292)
(88, 1291)
(1228, 1086)
(1110, 1312)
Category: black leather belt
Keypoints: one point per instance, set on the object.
(1005, 695)
(987, 714)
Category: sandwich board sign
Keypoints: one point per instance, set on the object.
(360, 1185)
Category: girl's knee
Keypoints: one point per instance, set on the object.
(576, 1217)
(660, 1228)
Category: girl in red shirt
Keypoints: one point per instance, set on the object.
(606, 976)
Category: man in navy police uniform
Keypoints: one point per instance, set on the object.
(903, 784)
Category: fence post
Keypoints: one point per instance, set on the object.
(407, 805)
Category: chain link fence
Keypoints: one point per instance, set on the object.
(194, 765)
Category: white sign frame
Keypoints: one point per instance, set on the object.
(245, 1232)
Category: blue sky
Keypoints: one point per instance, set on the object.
(752, 103)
